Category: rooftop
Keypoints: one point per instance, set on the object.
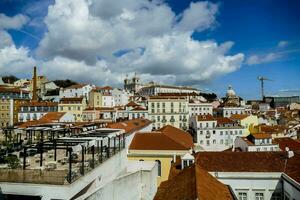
(193, 183)
(166, 138)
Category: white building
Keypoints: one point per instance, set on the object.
(200, 108)
(121, 97)
(256, 142)
(132, 110)
(155, 89)
(79, 90)
(255, 175)
(30, 111)
(108, 100)
(215, 134)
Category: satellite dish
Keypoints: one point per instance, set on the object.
(287, 148)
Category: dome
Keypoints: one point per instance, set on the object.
(230, 92)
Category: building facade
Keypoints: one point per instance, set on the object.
(215, 134)
(164, 110)
(75, 106)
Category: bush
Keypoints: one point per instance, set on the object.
(13, 162)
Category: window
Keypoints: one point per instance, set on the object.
(158, 167)
(242, 196)
(221, 132)
(214, 141)
(207, 142)
(221, 141)
(201, 141)
(259, 196)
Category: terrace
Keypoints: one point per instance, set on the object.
(59, 156)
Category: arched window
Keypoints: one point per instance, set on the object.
(158, 167)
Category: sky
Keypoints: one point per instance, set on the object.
(203, 44)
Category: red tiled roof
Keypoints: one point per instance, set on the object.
(139, 108)
(154, 141)
(52, 116)
(251, 162)
(132, 104)
(224, 120)
(39, 103)
(193, 183)
(293, 145)
(239, 116)
(205, 118)
(241, 161)
(130, 126)
(71, 100)
(261, 135)
(178, 135)
(167, 138)
(12, 90)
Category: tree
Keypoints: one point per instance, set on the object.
(64, 83)
(13, 161)
(10, 79)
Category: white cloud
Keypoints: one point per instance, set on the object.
(259, 59)
(282, 44)
(15, 22)
(83, 36)
(5, 39)
(199, 16)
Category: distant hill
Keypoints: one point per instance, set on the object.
(10, 79)
(64, 83)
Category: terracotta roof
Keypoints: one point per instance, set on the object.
(130, 126)
(251, 162)
(205, 118)
(224, 120)
(39, 103)
(154, 141)
(178, 135)
(193, 183)
(76, 86)
(71, 100)
(239, 116)
(293, 145)
(167, 138)
(261, 135)
(132, 104)
(12, 90)
(241, 161)
(139, 108)
(52, 116)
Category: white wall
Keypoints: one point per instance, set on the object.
(251, 182)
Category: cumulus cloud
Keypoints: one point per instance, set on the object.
(15, 22)
(282, 44)
(259, 59)
(84, 36)
(199, 16)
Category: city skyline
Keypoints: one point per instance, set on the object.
(208, 45)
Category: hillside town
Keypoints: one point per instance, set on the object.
(145, 141)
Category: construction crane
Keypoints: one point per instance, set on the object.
(262, 79)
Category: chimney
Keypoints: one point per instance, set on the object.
(34, 79)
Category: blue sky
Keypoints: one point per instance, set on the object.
(266, 32)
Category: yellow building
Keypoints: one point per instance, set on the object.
(95, 98)
(168, 110)
(4, 112)
(245, 120)
(74, 105)
(161, 146)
